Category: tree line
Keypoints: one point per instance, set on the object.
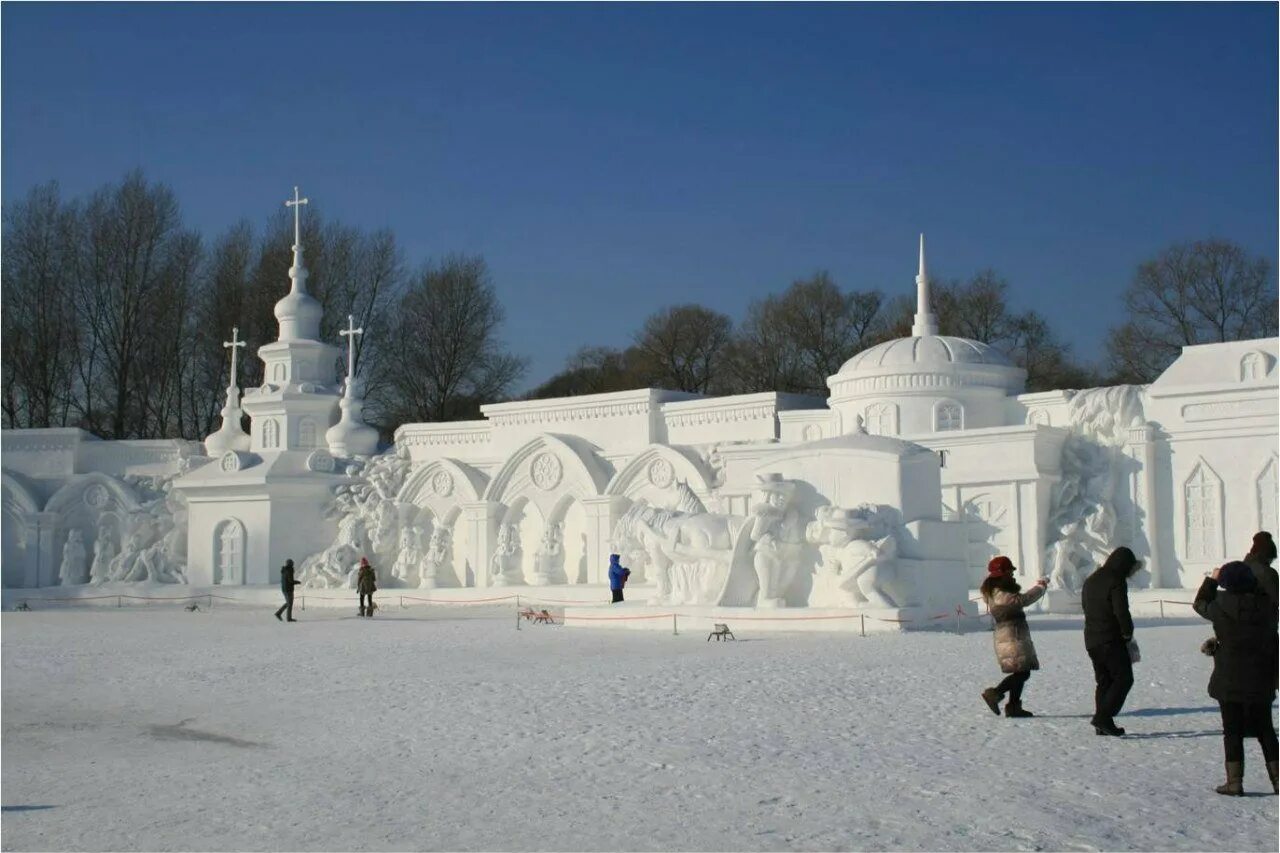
(113, 314)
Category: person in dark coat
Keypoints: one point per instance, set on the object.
(1244, 667)
(1108, 634)
(366, 585)
(1015, 652)
(617, 577)
(1260, 557)
(287, 583)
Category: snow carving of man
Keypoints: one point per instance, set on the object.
(409, 556)
(437, 564)
(383, 533)
(857, 547)
(505, 567)
(104, 551)
(777, 533)
(74, 561)
(549, 559)
(125, 565)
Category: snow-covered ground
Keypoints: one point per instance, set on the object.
(437, 729)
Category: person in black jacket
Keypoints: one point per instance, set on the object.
(1244, 667)
(287, 583)
(1108, 633)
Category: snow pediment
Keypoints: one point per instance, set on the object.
(442, 481)
(860, 444)
(95, 489)
(550, 465)
(660, 466)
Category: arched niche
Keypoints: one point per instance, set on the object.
(91, 503)
(545, 470)
(653, 474)
(19, 505)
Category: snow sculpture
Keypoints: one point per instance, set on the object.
(778, 536)
(409, 556)
(505, 567)
(145, 556)
(858, 549)
(74, 568)
(351, 436)
(368, 524)
(1083, 516)
(548, 560)
(694, 552)
(104, 551)
(437, 564)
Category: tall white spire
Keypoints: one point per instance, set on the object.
(299, 314)
(230, 436)
(351, 436)
(925, 323)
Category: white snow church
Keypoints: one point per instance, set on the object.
(890, 497)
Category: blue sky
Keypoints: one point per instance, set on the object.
(609, 160)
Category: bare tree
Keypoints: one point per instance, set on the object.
(1191, 293)
(445, 357)
(37, 310)
(682, 347)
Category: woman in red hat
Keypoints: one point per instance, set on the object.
(366, 585)
(1015, 652)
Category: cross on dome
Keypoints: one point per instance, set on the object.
(234, 344)
(296, 203)
(350, 333)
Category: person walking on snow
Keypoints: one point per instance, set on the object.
(1108, 636)
(1244, 667)
(1260, 557)
(366, 585)
(1015, 652)
(287, 583)
(617, 577)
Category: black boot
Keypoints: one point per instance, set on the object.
(278, 615)
(992, 697)
(1273, 770)
(1107, 727)
(1015, 709)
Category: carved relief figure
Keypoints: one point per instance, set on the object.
(858, 549)
(437, 563)
(104, 551)
(549, 558)
(74, 568)
(778, 536)
(409, 555)
(505, 567)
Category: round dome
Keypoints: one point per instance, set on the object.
(924, 351)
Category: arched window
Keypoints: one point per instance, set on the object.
(1202, 493)
(279, 373)
(229, 545)
(306, 433)
(882, 419)
(1252, 366)
(948, 416)
(1267, 489)
(270, 434)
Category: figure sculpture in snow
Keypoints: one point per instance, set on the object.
(505, 567)
(778, 536)
(74, 561)
(437, 564)
(104, 551)
(1083, 514)
(382, 535)
(858, 548)
(693, 552)
(548, 560)
(408, 556)
(335, 566)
